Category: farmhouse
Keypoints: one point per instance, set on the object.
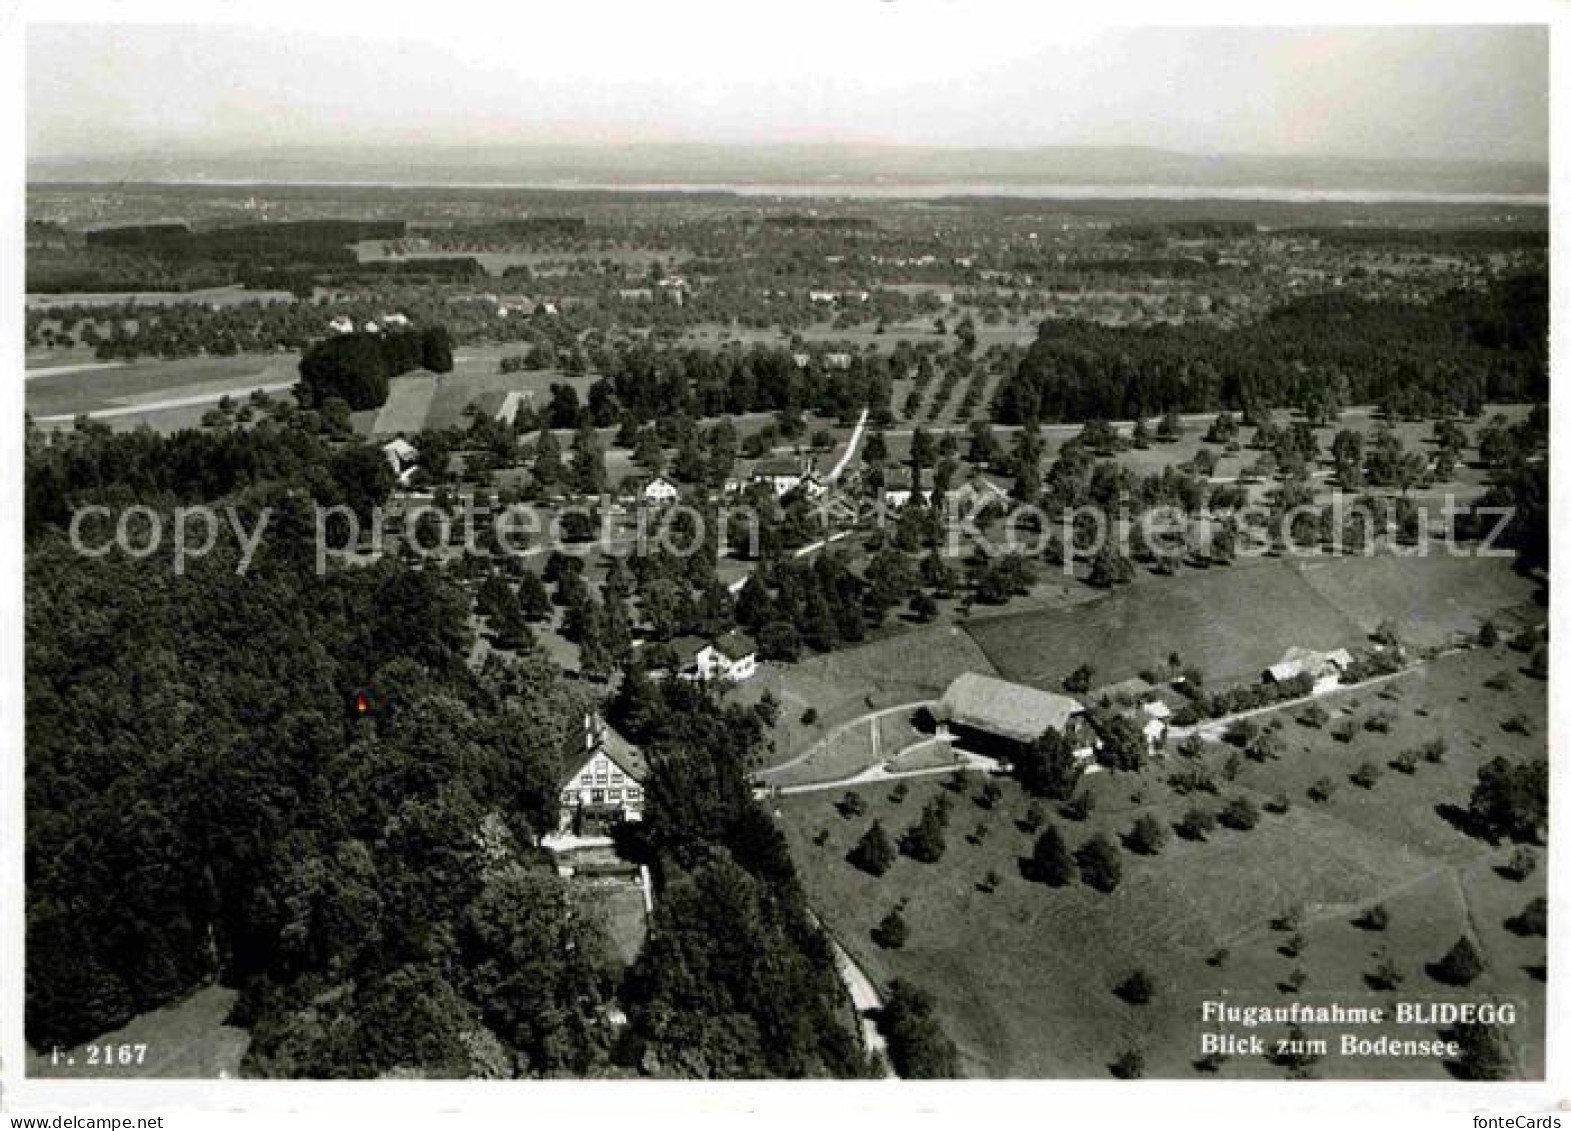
(1325, 668)
(1007, 717)
(605, 785)
(732, 658)
(658, 491)
(898, 486)
(783, 474)
(401, 456)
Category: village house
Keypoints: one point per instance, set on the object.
(342, 324)
(658, 492)
(1138, 699)
(1004, 719)
(402, 457)
(784, 474)
(1324, 668)
(605, 783)
(733, 658)
(898, 486)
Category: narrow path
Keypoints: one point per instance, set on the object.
(836, 732)
(864, 996)
(172, 402)
(850, 452)
(872, 775)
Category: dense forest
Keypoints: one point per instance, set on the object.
(1318, 353)
(296, 786)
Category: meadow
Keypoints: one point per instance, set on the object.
(1024, 974)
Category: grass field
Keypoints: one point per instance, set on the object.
(407, 405)
(906, 668)
(142, 382)
(1232, 622)
(1023, 974)
(1235, 621)
(185, 1040)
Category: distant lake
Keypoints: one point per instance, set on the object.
(907, 191)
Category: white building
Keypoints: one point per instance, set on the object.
(605, 785)
(732, 658)
(1325, 668)
(402, 457)
(659, 491)
(342, 324)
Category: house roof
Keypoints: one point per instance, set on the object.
(781, 465)
(686, 647)
(1134, 690)
(899, 479)
(1009, 710)
(628, 757)
(735, 645)
(1296, 661)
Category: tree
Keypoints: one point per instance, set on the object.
(924, 840)
(547, 467)
(1099, 863)
(1078, 682)
(588, 473)
(1460, 965)
(1129, 1065)
(1511, 800)
(1533, 919)
(352, 367)
(533, 601)
(1147, 836)
(923, 607)
(1049, 768)
(874, 853)
(1051, 863)
(1136, 987)
(436, 349)
(1240, 813)
(891, 932)
(918, 1046)
(1483, 1054)
(1196, 823)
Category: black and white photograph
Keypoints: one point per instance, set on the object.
(654, 544)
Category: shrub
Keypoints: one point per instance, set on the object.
(1129, 1065)
(1532, 920)
(1375, 917)
(1241, 814)
(852, 805)
(874, 853)
(810, 716)
(1322, 790)
(1523, 863)
(891, 932)
(1050, 860)
(1460, 965)
(1136, 988)
(1196, 823)
(1314, 716)
(1365, 776)
(1147, 836)
(1100, 867)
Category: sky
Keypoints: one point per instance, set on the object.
(902, 73)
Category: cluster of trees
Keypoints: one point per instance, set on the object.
(356, 368)
(295, 785)
(645, 382)
(93, 465)
(1456, 353)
